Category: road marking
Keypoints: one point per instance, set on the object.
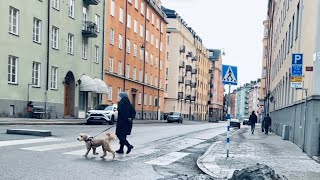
(211, 133)
(28, 141)
(183, 144)
(54, 146)
(167, 159)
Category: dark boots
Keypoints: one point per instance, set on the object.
(120, 151)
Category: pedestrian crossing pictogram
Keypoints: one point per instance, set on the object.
(229, 74)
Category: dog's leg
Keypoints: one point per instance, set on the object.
(104, 152)
(94, 151)
(108, 148)
(88, 150)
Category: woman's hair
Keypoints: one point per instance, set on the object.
(253, 112)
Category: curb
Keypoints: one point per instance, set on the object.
(202, 167)
(32, 132)
(42, 123)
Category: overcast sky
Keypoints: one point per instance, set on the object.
(235, 25)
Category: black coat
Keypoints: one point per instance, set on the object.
(253, 119)
(267, 121)
(125, 111)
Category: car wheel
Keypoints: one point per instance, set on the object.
(112, 121)
(168, 121)
(181, 121)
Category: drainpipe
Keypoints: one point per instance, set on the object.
(158, 109)
(103, 44)
(48, 58)
(125, 48)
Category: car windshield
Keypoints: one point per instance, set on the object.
(109, 108)
(176, 114)
(101, 107)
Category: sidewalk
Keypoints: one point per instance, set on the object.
(246, 150)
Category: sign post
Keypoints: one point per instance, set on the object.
(229, 77)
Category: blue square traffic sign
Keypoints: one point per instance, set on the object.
(297, 59)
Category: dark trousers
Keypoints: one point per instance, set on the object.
(123, 141)
(253, 126)
(266, 129)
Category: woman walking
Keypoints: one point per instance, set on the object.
(253, 120)
(126, 114)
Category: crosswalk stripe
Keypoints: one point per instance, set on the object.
(54, 146)
(212, 134)
(28, 141)
(167, 159)
(184, 143)
(136, 154)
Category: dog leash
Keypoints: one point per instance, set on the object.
(103, 131)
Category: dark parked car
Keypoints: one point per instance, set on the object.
(174, 117)
(246, 122)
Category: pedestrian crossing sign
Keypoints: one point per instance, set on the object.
(229, 75)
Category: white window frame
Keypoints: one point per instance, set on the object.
(130, 1)
(161, 64)
(110, 93)
(135, 26)
(112, 36)
(141, 54)
(146, 78)
(150, 100)
(112, 8)
(151, 59)
(127, 71)
(14, 20)
(54, 77)
(119, 91)
(158, 24)
(96, 54)
(136, 4)
(160, 83)
(161, 28)
(55, 38)
(37, 30)
(120, 68)
(97, 21)
(128, 46)
(128, 21)
(120, 41)
(145, 99)
(111, 64)
(140, 76)
(148, 14)
(56, 4)
(135, 50)
(152, 18)
(121, 15)
(36, 72)
(13, 65)
(141, 30)
(152, 39)
(157, 43)
(71, 8)
(134, 73)
(146, 56)
(70, 43)
(85, 49)
(160, 46)
(139, 98)
(147, 35)
(156, 62)
(151, 80)
(142, 8)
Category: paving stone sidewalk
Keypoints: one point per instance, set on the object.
(246, 150)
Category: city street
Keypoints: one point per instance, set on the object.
(161, 150)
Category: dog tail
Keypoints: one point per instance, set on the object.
(110, 136)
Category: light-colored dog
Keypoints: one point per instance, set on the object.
(93, 143)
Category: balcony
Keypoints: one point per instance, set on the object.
(189, 54)
(182, 64)
(91, 2)
(209, 102)
(210, 70)
(194, 71)
(180, 95)
(210, 94)
(89, 29)
(183, 49)
(195, 58)
(188, 68)
(188, 97)
(193, 85)
(193, 98)
(211, 85)
(188, 82)
(181, 80)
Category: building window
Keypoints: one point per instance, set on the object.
(120, 68)
(128, 71)
(96, 54)
(298, 17)
(36, 30)
(161, 46)
(128, 20)
(112, 36)
(139, 98)
(156, 62)
(167, 55)
(166, 88)
(146, 57)
(152, 39)
(160, 64)
(150, 100)
(136, 4)
(152, 19)
(97, 20)
(55, 38)
(128, 46)
(160, 83)
(71, 8)
(130, 1)
(148, 14)
(140, 75)
(119, 91)
(121, 15)
(13, 70)
(151, 79)
(14, 21)
(141, 30)
(110, 93)
(112, 8)
(111, 64)
(134, 73)
(54, 77)
(158, 24)
(70, 43)
(142, 8)
(141, 53)
(84, 49)
(36, 74)
(168, 42)
(145, 99)
(147, 35)
(146, 78)
(292, 31)
(157, 43)
(161, 27)
(56, 4)
(155, 81)
(135, 28)
(151, 59)
(135, 50)
(120, 41)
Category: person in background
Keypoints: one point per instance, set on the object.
(267, 123)
(253, 120)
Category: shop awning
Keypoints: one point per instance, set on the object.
(101, 86)
(88, 84)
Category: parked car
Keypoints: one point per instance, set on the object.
(174, 117)
(235, 123)
(103, 113)
(246, 122)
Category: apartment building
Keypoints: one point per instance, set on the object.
(51, 53)
(136, 54)
(216, 86)
(233, 104)
(254, 94)
(242, 102)
(263, 92)
(181, 67)
(294, 28)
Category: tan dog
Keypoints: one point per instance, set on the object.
(93, 143)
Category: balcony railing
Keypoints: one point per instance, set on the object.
(181, 79)
(193, 98)
(189, 54)
(188, 68)
(194, 71)
(193, 85)
(91, 2)
(210, 70)
(188, 97)
(182, 64)
(180, 95)
(188, 82)
(195, 58)
(89, 29)
(210, 94)
(183, 49)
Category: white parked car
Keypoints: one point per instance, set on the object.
(103, 113)
(235, 123)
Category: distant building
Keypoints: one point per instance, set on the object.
(242, 102)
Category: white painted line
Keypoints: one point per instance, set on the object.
(167, 159)
(28, 141)
(210, 134)
(54, 146)
(184, 143)
(136, 154)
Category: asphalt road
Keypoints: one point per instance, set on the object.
(161, 150)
